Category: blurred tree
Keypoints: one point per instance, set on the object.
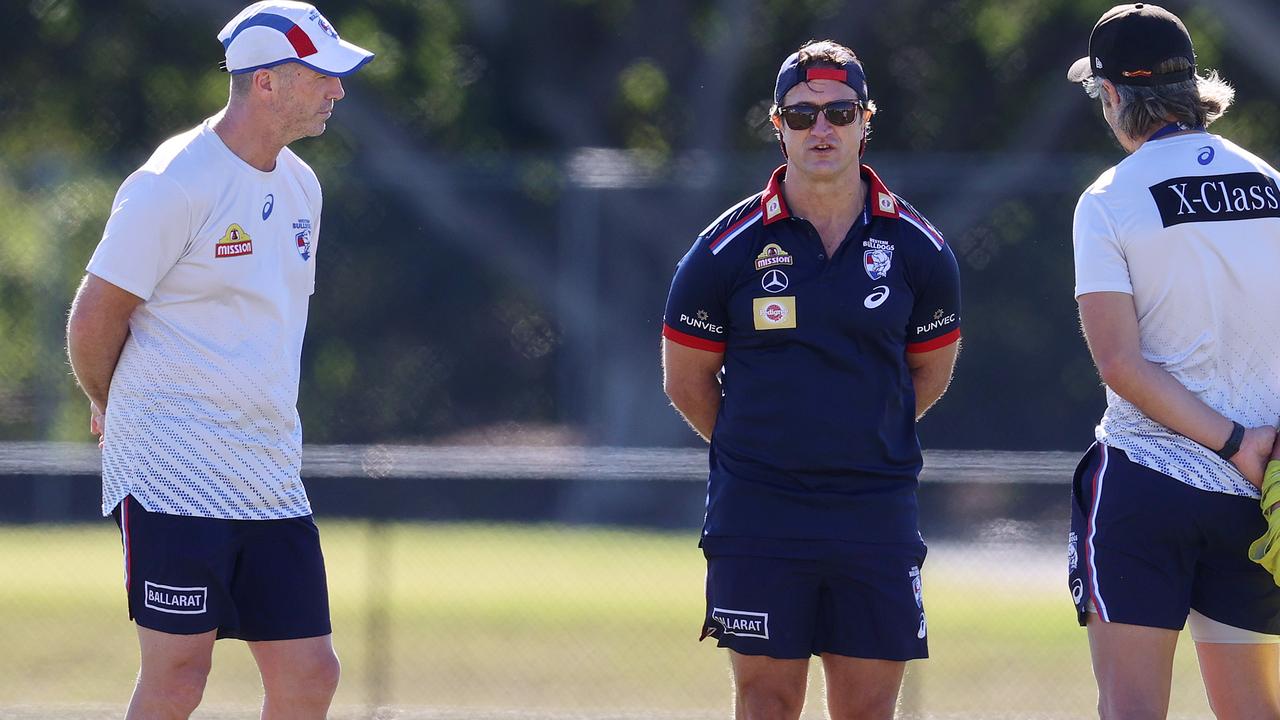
(464, 228)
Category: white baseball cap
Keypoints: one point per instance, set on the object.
(278, 31)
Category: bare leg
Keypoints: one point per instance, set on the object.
(299, 676)
(1242, 681)
(173, 674)
(1134, 669)
(860, 688)
(768, 688)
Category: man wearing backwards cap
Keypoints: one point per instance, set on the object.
(1175, 256)
(186, 335)
(832, 308)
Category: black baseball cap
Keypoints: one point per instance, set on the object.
(1129, 41)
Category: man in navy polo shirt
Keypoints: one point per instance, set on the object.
(806, 331)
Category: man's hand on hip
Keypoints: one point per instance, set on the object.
(1255, 450)
(97, 423)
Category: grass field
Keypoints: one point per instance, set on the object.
(482, 621)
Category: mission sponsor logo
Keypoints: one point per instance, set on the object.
(772, 255)
(940, 319)
(700, 321)
(774, 313)
(234, 243)
(175, 600)
(742, 623)
(1216, 198)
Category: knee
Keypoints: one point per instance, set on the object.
(769, 701)
(316, 679)
(880, 705)
(325, 677)
(1128, 707)
(177, 687)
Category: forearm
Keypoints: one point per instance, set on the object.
(94, 354)
(929, 383)
(699, 403)
(1160, 396)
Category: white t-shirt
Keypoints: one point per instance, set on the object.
(1190, 226)
(202, 417)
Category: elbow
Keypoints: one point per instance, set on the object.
(676, 392)
(77, 327)
(1117, 372)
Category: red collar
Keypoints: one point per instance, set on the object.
(881, 202)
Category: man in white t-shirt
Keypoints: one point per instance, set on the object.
(186, 335)
(1175, 252)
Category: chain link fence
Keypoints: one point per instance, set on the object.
(551, 600)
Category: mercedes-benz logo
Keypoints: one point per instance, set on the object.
(775, 281)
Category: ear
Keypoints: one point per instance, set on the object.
(777, 122)
(1112, 95)
(264, 79)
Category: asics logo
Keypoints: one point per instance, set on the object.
(878, 295)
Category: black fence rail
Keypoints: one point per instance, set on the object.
(965, 494)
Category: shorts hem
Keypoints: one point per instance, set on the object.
(272, 637)
(170, 631)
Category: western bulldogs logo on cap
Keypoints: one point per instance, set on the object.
(273, 32)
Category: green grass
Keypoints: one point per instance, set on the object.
(473, 619)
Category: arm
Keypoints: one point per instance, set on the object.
(1110, 324)
(689, 379)
(96, 331)
(931, 374)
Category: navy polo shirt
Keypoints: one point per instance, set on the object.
(815, 439)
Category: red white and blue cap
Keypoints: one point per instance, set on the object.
(792, 74)
(279, 31)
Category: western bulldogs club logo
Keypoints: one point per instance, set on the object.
(918, 591)
(325, 27)
(877, 258)
(302, 237)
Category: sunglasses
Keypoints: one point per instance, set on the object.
(805, 115)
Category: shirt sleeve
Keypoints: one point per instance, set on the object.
(147, 233)
(1100, 262)
(697, 309)
(935, 316)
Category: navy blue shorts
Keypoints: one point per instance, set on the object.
(248, 579)
(1145, 549)
(863, 601)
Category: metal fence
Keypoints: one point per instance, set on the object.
(547, 582)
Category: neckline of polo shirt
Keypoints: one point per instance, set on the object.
(235, 159)
(875, 189)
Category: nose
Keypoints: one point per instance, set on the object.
(336, 93)
(823, 126)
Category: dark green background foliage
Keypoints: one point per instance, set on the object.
(509, 184)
